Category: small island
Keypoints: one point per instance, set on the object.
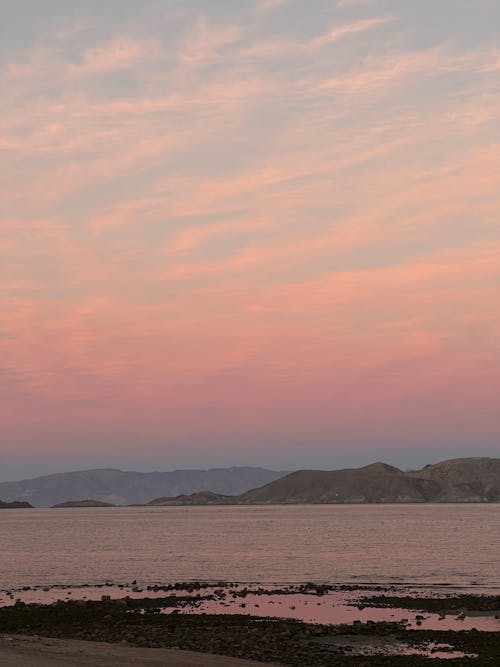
(16, 505)
(82, 503)
(200, 498)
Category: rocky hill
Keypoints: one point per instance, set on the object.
(201, 498)
(14, 505)
(475, 480)
(83, 503)
(127, 488)
(471, 480)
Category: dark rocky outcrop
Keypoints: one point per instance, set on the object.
(16, 505)
(281, 641)
(201, 498)
(83, 503)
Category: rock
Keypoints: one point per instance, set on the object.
(15, 505)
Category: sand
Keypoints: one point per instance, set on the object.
(18, 651)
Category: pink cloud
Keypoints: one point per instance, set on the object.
(257, 241)
(117, 54)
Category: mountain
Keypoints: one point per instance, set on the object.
(473, 480)
(376, 483)
(465, 480)
(127, 488)
(14, 505)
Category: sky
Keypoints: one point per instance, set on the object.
(262, 232)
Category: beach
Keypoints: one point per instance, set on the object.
(167, 631)
(19, 651)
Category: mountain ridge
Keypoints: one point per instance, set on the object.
(469, 480)
(463, 480)
(473, 479)
(118, 487)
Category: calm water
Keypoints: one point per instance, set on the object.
(419, 544)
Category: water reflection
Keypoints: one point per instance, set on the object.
(334, 607)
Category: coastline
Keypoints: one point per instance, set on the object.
(441, 627)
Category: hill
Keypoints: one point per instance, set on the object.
(83, 503)
(201, 498)
(14, 505)
(465, 480)
(127, 488)
(474, 480)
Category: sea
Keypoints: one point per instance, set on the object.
(409, 545)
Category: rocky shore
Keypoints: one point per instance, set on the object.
(139, 623)
(448, 604)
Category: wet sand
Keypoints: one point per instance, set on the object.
(16, 651)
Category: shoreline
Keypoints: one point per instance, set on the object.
(178, 619)
(329, 503)
(446, 608)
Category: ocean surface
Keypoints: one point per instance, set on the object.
(421, 545)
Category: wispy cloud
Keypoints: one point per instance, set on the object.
(338, 32)
(236, 213)
(204, 41)
(117, 54)
(269, 5)
(293, 48)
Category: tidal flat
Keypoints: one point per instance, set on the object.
(383, 626)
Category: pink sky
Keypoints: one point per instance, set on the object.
(249, 233)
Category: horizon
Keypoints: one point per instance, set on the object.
(255, 231)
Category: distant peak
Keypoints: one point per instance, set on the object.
(462, 462)
(380, 467)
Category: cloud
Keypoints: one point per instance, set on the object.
(117, 54)
(203, 41)
(269, 5)
(398, 69)
(216, 215)
(359, 3)
(338, 32)
(281, 48)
